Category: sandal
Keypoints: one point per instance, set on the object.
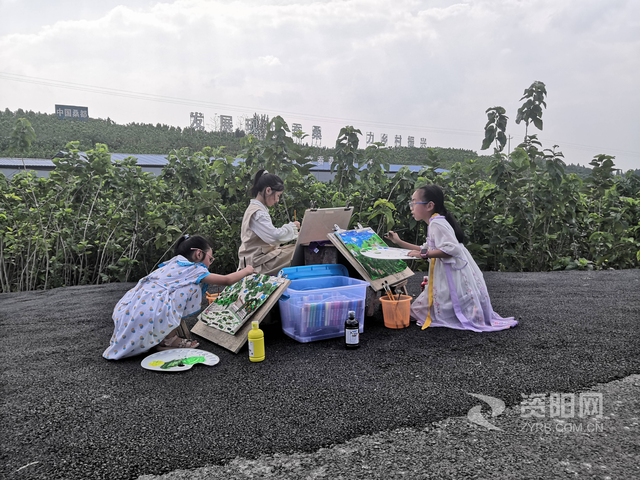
(176, 342)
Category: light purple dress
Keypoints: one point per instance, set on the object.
(155, 306)
(460, 297)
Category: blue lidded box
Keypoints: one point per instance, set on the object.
(318, 300)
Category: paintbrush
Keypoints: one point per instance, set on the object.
(386, 235)
(387, 289)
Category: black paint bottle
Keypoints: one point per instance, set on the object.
(351, 331)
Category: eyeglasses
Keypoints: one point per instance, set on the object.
(412, 203)
(205, 254)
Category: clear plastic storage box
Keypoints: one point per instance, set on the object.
(317, 302)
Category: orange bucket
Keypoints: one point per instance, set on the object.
(396, 312)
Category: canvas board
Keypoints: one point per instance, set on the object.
(360, 240)
(235, 342)
(377, 284)
(316, 225)
(238, 302)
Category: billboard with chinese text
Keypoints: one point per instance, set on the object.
(72, 112)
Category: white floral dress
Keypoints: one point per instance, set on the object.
(456, 296)
(155, 306)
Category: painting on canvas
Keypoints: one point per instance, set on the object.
(364, 239)
(237, 302)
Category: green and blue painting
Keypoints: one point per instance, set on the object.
(237, 302)
(360, 240)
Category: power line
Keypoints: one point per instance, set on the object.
(201, 103)
(579, 146)
(249, 110)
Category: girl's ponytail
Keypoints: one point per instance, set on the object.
(186, 246)
(456, 227)
(264, 179)
(433, 193)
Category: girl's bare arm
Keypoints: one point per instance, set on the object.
(230, 279)
(435, 253)
(393, 236)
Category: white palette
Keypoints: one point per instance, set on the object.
(388, 254)
(155, 361)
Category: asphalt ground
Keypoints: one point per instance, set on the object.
(523, 448)
(69, 413)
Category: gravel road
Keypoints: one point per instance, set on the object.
(395, 408)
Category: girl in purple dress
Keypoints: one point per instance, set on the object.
(456, 296)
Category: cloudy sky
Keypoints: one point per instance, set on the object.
(427, 69)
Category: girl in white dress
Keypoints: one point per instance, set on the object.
(457, 295)
(261, 241)
(149, 314)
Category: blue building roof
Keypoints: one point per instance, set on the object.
(29, 162)
(145, 160)
(392, 168)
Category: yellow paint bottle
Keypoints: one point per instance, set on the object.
(256, 343)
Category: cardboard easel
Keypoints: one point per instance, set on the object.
(235, 342)
(316, 224)
(396, 280)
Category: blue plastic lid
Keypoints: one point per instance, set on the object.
(314, 271)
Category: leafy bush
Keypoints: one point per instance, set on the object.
(94, 221)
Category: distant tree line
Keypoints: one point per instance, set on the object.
(53, 134)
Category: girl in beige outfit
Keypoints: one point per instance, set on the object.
(260, 239)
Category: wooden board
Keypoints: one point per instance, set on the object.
(375, 284)
(235, 342)
(315, 226)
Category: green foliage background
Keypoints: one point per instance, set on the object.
(95, 221)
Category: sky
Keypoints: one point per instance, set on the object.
(425, 69)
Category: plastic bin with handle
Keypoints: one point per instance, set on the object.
(318, 301)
